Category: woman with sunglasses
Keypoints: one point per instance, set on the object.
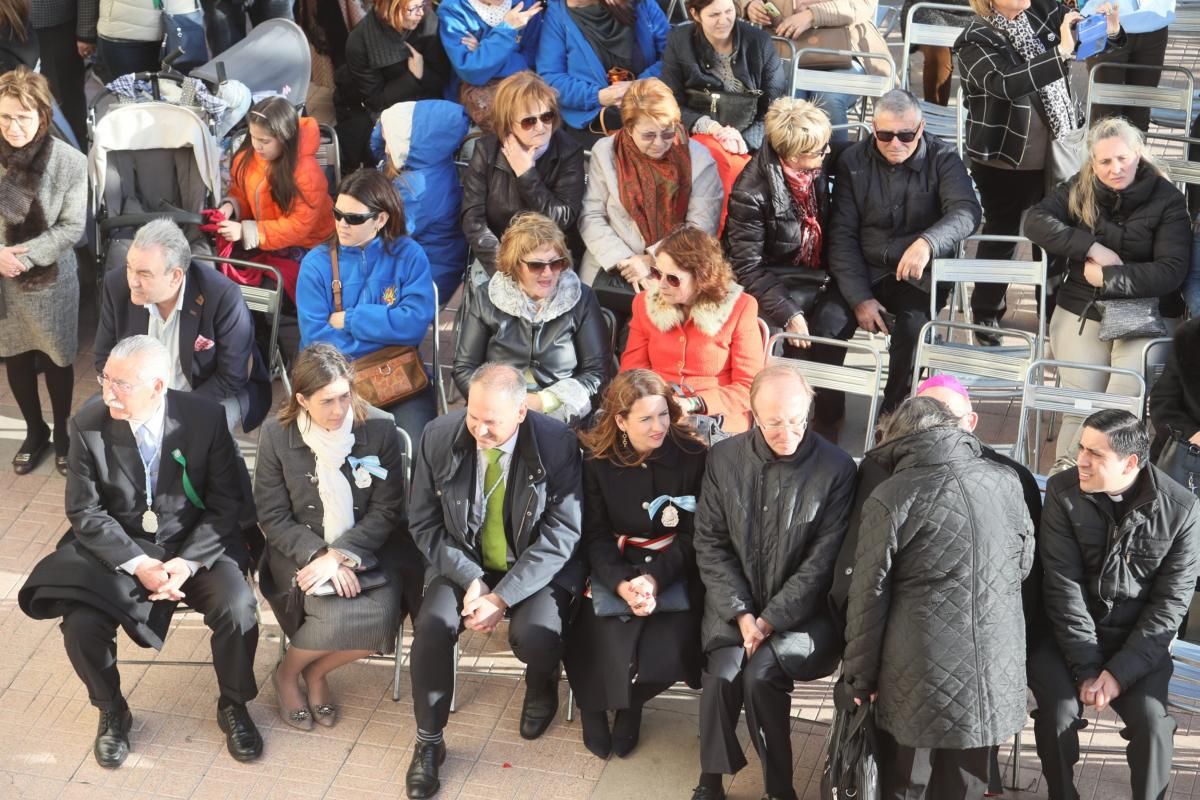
(1015, 62)
(387, 289)
(527, 164)
(642, 183)
(394, 55)
(778, 212)
(536, 315)
(638, 630)
(697, 329)
(592, 51)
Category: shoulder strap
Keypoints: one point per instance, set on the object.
(336, 284)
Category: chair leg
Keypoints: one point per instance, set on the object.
(399, 656)
(454, 691)
(1016, 762)
(570, 704)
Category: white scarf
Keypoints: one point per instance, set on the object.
(491, 15)
(330, 449)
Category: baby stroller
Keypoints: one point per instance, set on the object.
(274, 58)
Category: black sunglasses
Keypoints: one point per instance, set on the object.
(546, 118)
(904, 136)
(672, 280)
(556, 264)
(353, 219)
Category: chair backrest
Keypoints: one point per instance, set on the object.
(1154, 361)
(1030, 272)
(1160, 98)
(329, 156)
(836, 377)
(787, 55)
(863, 85)
(1038, 397)
(886, 19)
(1184, 688)
(969, 363)
(923, 33)
(1182, 171)
(406, 457)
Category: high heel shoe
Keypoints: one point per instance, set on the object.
(300, 718)
(596, 737)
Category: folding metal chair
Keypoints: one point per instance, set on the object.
(434, 364)
(886, 19)
(329, 156)
(1169, 100)
(941, 121)
(850, 380)
(1183, 50)
(1180, 169)
(765, 331)
(1151, 372)
(262, 300)
(1183, 692)
(865, 86)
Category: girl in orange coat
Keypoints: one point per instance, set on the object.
(697, 329)
(278, 194)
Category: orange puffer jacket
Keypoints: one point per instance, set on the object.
(264, 224)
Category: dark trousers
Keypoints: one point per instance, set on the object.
(833, 318)
(1147, 49)
(225, 20)
(119, 57)
(1142, 707)
(63, 68)
(923, 773)
(729, 681)
(1004, 195)
(227, 602)
(535, 633)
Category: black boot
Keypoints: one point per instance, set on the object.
(112, 737)
(541, 704)
(422, 778)
(596, 737)
(626, 729)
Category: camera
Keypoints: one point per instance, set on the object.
(1091, 36)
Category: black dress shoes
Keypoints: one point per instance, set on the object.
(988, 339)
(30, 455)
(596, 736)
(112, 737)
(242, 738)
(541, 704)
(707, 793)
(627, 727)
(422, 778)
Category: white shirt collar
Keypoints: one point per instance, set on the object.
(507, 447)
(155, 422)
(153, 307)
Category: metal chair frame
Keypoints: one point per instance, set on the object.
(941, 121)
(1156, 98)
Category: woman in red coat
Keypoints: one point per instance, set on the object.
(696, 328)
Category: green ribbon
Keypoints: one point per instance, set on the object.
(188, 489)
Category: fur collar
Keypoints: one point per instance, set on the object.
(707, 317)
(506, 295)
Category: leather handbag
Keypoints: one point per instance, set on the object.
(1181, 460)
(613, 292)
(804, 285)
(389, 375)
(862, 37)
(851, 752)
(1064, 158)
(736, 110)
(183, 32)
(607, 604)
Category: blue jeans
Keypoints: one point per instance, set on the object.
(1191, 285)
(835, 105)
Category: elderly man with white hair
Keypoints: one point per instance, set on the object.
(154, 520)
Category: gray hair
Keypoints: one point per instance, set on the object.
(898, 103)
(502, 378)
(916, 415)
(156, 361)
(781, 371)
(168, 237)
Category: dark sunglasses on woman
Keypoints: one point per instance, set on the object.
(353, 219)
(556, 264)
(546, 118)
(904, 136)
(672, 280)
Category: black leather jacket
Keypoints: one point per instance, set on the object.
(493, 195)
(566, 347)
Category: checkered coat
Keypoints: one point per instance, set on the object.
(1002, 87)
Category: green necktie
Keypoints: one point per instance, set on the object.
(495, 544)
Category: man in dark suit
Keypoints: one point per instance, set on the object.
(197, 313)
(153, 521)
(495, 510)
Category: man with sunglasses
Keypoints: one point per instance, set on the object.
(900, 199)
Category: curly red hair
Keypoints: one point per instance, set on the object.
(699, 254)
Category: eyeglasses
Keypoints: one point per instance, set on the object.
(353, 219)
(791, 425)
(666, 136)
(546, 118)
(415, 11)
(815, 154)
(24, 121)
(120, 387)
(555, 264)
(904, 136)
(672, 280)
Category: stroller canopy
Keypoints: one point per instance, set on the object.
(273, 58)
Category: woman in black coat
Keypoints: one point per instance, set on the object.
(1175, 399)
(393, 56)
(718, 53)
(1123, 229)
(528, 164)
(641, 477)
(778, 209)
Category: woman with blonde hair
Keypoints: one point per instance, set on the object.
(639, 630)
(1123, 229)
(697, 329)
(526, 164)
(643, 183)
(536, 315)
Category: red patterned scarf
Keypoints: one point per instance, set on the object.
(655, 191)
(802, 186)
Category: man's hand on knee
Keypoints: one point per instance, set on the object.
(178, 572)
(151, 573)
(1099, 691)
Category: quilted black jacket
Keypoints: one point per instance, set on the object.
(1116, 589)
(767, 534)
(1175, 399)
(935, 622)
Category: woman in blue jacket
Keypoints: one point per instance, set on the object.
(419, 141)
(591, 50)
(387, 291)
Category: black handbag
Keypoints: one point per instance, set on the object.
(1181, 460)
(804, 285)
(608, 604)
(183, 32)
(736, 110)
(613, 292)
(851, 761)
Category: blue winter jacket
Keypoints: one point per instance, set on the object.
(430, 132)
(502, 50)
(387, 294)
(566, 60)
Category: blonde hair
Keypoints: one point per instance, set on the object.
(796, 127)
(525, 233)
(1081, 201)
(983, 8)
(517, 92)
(32, 91)
(650, 98)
